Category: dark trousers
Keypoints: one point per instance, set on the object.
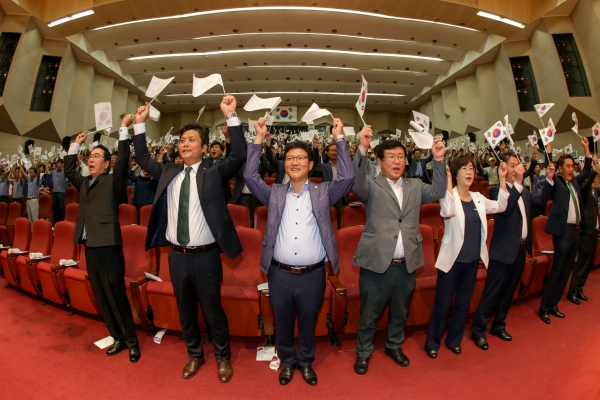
(251, 202)
(106, 270)
(565, 251)
(58, 207)
(394, 286)
(296, 294)
(500, 284)
(585, 261)
(4, 199)
(197, 278)
(460, 280)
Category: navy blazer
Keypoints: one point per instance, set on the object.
(557, 220)
(279, 165)
(590, 205)
(412, 166)
(506, 238)
(210, 181)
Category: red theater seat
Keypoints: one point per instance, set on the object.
(71, 212)
(7, 231)
(261, 213)
(71, 196)
(76, 285)
(240, 215)
(354, 216)
(421, 303)
(45, 207)
(269, 181)
(430, 215)
(8, 261)
(127, 215)
(145, 212)
(41, 242)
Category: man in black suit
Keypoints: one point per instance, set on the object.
(510, 242)
(589, 237)
(99, 230)
(190, 214)
(564, 223)
(417, 167)
(241, 194)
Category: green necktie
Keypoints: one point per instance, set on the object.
(183, 227)
(577, 217)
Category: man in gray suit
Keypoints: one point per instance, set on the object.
(390, 248)
(298, 241)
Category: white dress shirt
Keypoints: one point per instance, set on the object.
(522, 209)
(572, 216)
(397, 188)
(298, 240)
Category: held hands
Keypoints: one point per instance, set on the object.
(585, 144)
(550, 170)
(228, 104)
(438, 149)
(364, 139)
(519, 173)
(595, 160)
(261, 130)
(80, 139)
(338, 129)
(127, 120)
(143, 113)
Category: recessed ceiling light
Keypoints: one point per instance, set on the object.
(501, 19)
(71, 18)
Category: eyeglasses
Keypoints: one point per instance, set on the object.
(300, 159)
(95, 156)
(391, 157)
(467, 169)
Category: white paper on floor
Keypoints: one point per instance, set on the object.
(104, 343)
(159, 336)
(265, 353)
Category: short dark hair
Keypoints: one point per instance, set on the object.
(33, 169)
(507, 156)
(298, 144)
(175, 155)
(60, 160)
(388, 145)
(106, 154)
(415, 150)
(195, 127)
(326, 149)
(216, 143)
(114, 153)
(459, 162)
(561, 160)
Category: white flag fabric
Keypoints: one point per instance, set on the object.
(556, 152)
(199, 113)
(547, 134)
(30, 149)
(201, 85)
(314, 112)
(518, 150)
(154, 114)
(37, 151)
(156, 86)
(269, 120)
(256, 103)
(362, 97)
(569, 149)
(533, 140)
(495, 134)
(596, 131)
(20, 149)
(543, 108)
(423, 140)
(288, 114)
(576, 127)
(349, 131)
(103, 115)
(374, 143)
(398, 134)
(421, 122)
(251, 123)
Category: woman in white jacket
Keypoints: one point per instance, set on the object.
(462, 246)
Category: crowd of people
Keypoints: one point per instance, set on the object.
(187, 182)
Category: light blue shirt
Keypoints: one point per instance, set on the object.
(33, 185)
(4, 186)
(59, 181)
(298, 240)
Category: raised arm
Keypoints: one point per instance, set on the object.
(587, 167)
(360, 164)
(345, 178)
(71, 172)
(142, 156)
(437, 189)
(252, 178)
(120, 170)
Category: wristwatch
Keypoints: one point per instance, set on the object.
(338, 138)
(232, 115)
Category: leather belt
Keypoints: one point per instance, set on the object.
(298, 269)
(31, 198)
(523, 241)
(398, 261)
(576, 226)
(195, 249)
(84, 242)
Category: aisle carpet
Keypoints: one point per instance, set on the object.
(50, 355)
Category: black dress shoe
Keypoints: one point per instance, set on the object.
(480, 342)
(556, 313)
(398, 356)
(502, 334)
(573, 299)
(116, 348)
(286, 374)
(582, 296)
(134, 353)
(361, 365)
(431, 353)
(309, 375)
(544, 317)
(456, 350)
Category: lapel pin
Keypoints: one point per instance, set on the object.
(316, 187)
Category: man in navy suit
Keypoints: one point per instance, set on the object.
(190, 215)
(298, 242)
(564, 224)
(510, 242)
(417, 167)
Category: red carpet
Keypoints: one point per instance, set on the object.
(49, 355)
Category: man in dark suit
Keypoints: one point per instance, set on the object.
(564, 223)
(417, 167)
(510, 242)
(298, 240)
(99, 230)
(589, 237)
(216, 153)
(190, 214)
(242, 194)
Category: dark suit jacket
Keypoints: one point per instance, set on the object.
(279, 165)
(412, 167)
(589, 205)
(326, 170)
(557, 220)
(210, 181)
(210, 162)
(240, 182)
(506, 238)
(99, 202)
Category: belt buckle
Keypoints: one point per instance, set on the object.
(185, 250)
(295, 270)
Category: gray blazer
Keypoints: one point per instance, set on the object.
(322, 196)
(385, 217)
